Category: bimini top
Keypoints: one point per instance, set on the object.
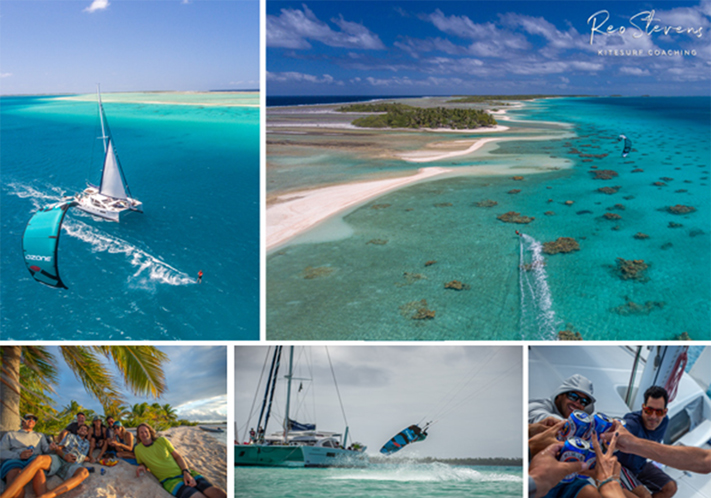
(40, 242)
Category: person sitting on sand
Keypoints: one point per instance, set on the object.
(18, 451)
(74, 426)
(97, 439)
(158, 456)
(122, 443)
(66, 464)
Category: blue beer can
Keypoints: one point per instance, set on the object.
(601, 423)
(574, 450)
(579, 424)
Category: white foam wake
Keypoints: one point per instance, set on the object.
(38, 198)
(537, 313)
(149, 269)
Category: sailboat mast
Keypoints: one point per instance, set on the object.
(101, 117)
(288, 393)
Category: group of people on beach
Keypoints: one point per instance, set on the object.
(625, 474)
(27, 457)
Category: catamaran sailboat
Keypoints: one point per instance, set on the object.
(111, 199)
(296, 445)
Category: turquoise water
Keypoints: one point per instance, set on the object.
(196, 170)
(392, 481)
(370, 284)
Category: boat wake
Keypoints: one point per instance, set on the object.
(538, 320)
(38, 198)
(431, 472)
(150, 270)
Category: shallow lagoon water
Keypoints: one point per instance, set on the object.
(196, 170)
(370, 284)
(403, 480)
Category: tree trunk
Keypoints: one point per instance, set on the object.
(10, 388)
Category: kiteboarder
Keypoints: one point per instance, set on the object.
(518, 233)
(199, 277)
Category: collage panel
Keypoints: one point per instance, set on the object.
(130, 170)
(113, 421)
(487, 171)
(638, 416)
(392, 421)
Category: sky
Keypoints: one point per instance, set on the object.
(56, 46)
(473, 393)
(196, 379)
(488, 47)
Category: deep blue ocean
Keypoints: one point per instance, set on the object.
(370, 283)
(196, 170)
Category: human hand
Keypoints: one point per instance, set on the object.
(53, 446)
(546, 438)
(547, 471)
(71, 458)
(140, 470)
(189, 480)
(625, 440)
(25, 454)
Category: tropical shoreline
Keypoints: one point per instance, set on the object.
(204, 453)
(291, 214)
(135, 98)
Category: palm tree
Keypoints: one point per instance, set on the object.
(140, 366)
(169, 413)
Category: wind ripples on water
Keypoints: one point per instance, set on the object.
(150, 270)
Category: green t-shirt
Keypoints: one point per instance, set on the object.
(158, 458)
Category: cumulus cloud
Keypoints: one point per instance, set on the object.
(97, 5)
(293, 28)
(634, 71)
(292, 76)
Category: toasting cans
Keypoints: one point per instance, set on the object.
(601, 423)
(578, 425)
(575, 450)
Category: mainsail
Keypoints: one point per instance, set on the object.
(40, 242)
(112, 183)
(412, 434)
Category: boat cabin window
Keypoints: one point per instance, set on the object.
(679, 425)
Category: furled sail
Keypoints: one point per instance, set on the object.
(412, 434)
(111, 179)
(628, 145)
(40, 242)
(296, 426)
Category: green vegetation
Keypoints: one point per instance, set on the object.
(29, 374)
(404, 116)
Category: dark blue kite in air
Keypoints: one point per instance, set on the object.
(628, 145)
(412, 434)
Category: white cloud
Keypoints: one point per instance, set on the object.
(5, 75)
(293, 28)
(634, 71)
(301, 77)
(97, 5)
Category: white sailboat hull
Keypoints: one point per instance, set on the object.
(316, 456)
(97, 204)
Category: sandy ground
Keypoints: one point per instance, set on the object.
(292, 214)
(205, 454)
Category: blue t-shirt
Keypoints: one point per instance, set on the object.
(635, 425)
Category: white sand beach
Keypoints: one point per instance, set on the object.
(290, 214)
(204, 453)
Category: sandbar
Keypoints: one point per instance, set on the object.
(291, 214)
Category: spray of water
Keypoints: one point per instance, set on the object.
(149, 269)
(538, 319)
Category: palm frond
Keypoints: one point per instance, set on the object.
(141, 367)
(92, 373)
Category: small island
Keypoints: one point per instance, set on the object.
(395, 115)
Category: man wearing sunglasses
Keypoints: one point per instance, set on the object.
(638, 475)
(576, 393)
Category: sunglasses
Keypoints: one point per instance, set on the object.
(576, 397)
(659, 412)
